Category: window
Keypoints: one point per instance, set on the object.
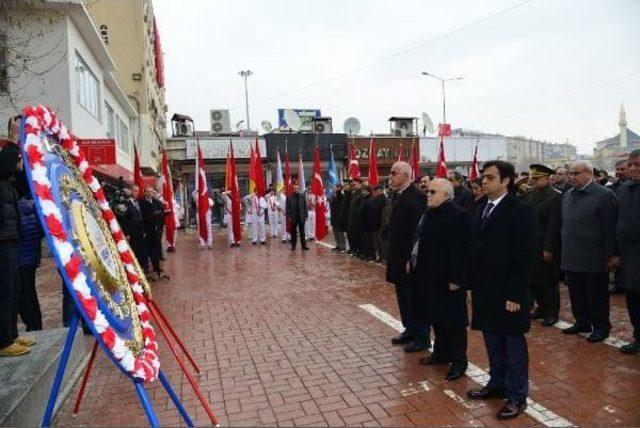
(4, 79)
(104, 33)
(87, 88)
(111, 121)
(123, 137)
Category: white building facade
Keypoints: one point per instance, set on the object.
(72, 73)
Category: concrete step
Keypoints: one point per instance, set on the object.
(25, 381)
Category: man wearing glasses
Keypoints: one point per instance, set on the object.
(589, 215)
(406, 212)
(561, 180)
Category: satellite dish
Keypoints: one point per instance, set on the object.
(428, 124)
(266, 125)
(351, 126)
(292, 119)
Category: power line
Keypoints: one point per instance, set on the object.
(393, 55)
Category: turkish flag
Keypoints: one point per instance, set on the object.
(318, 191)
(441, 172)
(354, 168)
(373, 164)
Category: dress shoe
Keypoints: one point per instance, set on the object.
(305, 248)
(416, 347)
(403, 339)
(484, 393)
(14, 350)
(25, 341)
(548, 322)
(511, 410)
(457, 370)
(631, 348)
(432, 360)
(577, 328)
(597, 336)
(293, 248)
(254, 243)
(536, 315)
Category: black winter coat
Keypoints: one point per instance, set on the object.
(297, 207)
(405, 214)
(334, 206)
(628, 234)
(9, 214)
(502, 260)
(547, 205)
(442, 258)
(345, 204)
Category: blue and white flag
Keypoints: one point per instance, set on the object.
(333, 176)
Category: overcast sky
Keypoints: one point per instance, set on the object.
(548, 69)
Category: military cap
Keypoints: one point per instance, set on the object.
(539, 170)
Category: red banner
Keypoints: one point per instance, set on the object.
(444, 130)
(99, 151)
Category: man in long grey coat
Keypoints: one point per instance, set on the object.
(628, 236)
(589, 215)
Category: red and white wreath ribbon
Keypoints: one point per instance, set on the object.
(40, 120)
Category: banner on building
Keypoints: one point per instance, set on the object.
(99, 151)
(218, 148)
(305, 116)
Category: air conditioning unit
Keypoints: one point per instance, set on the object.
(185, 129)
(402, 126)
(321, 125)
(220, 122)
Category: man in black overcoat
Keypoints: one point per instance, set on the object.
(133, 228)
(546, 200)
(502, 260)
(408, 206)
(439, 259)
(297, 213)
(152, 212)
(589, 215)
(628, 237)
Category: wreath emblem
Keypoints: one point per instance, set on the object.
(95, 254)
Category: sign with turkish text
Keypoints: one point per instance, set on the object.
(99, 151)
(218, 148)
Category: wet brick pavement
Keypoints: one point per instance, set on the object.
(281, 340)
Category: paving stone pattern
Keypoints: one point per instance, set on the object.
(281, 340)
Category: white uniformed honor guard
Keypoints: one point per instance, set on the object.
(310, 225)
(281, 198)
(272, 202)
(258, 207)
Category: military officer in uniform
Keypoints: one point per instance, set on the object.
(547, 201)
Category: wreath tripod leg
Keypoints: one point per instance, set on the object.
(62, 365)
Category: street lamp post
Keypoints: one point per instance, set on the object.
(444, 102)
(245, 74)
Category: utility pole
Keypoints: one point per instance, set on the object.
(245, 74)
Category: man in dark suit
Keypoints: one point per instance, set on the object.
(297, 214)
(152, 212)
(463, 196)
(628, 236)
(133, 229)
(408, 206)
(502, 259)
(546, 201)
(589, 214)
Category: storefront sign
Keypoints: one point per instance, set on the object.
(99, 151)
(218, 148)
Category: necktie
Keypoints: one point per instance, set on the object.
(487, 212)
